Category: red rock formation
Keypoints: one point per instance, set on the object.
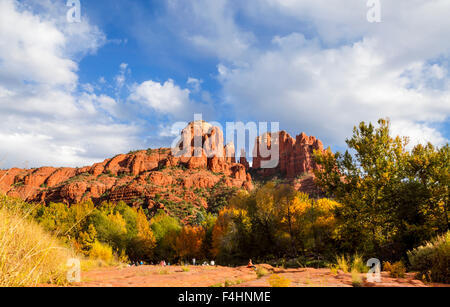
(138, 177)
(203, 146)
(243, 160)
(295, 155)
(199, 163)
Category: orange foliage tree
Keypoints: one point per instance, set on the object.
(189, 242)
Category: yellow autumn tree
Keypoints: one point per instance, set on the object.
(290, 205)
(316, 224)
(118, 220)
(189, 242)
(231, 232)
(87, 239)
(143, 245)
(144, 230)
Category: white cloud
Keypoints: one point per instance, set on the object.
(195, 84)
(42, 119)
(166, 98)
(88, 87)
(348, 70)
(327, 91)
(213, 29)
(31, 49)
(419, 133)
(322, 69)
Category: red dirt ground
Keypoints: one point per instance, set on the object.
(206, 276)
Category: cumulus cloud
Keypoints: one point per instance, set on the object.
(213, 30)
(316, 66)
(418, 133)
(344, 70)
(167, 97)
(170, 100)
(43, 119)
(31, 49)
(195, 84)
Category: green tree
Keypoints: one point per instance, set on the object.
(384, 211)
(141, 246)
(87, 239)
(165, 229)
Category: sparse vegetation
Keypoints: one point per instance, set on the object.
(277, 281)
(101, 251)
(432, 260)
(185, 269)
(356, 278)
(261, 272)
(334, 269)
(359, 264)
(396, 270)
(163, 272)
(342, 263)
(28, 255)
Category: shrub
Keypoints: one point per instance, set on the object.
(28, 255)
(101, 251)
(163, 272)
(342, 263)
(348, 264)
(261, 272)
(359, 265)
(396, 270)
(432, 260)
(277, 281)
(334, 269)
(185, 269)
(230, 283)
(356, 278)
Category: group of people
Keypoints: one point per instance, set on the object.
(212, 263)
(194, 262)
(163, 263)
(137, 263)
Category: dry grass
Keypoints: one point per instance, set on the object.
(185, 268)
(90, 264)
(261, 272)
(163, 272)
(28, 255)
(357, 280)
(277, 281)
(343, 263)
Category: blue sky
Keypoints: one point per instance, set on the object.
(76, 93)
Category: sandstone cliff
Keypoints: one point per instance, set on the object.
(180, 180)
(159, 178)
(295, 154)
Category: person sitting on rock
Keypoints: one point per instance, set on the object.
(250, 265)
